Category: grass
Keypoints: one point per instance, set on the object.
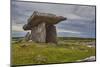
(42, 53)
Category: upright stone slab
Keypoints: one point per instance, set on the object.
(51, 34)
(27, 36)
(38, 33)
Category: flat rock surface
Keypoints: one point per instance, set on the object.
(91, 58)
(90, 44)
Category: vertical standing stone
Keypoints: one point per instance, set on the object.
(27, 36)
(38, 33)
(51, 34)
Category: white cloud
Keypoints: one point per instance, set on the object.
(17, 27)
(68, 31)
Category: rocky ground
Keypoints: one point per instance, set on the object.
(90, 44)
(89, 59)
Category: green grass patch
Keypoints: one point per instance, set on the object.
(42, 53)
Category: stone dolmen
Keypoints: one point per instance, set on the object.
(42, 26)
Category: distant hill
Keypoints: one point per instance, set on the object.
(76, 38)
(64, 38)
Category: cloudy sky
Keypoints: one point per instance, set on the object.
(80, 19)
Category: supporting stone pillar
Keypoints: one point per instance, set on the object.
(51, 35)
(27, 36)
(38, 33)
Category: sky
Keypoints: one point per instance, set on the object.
(80, 18)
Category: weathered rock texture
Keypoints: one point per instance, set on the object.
(42, 27)
(38, 33)
(27, 36)
(88, 59)
(51, 34)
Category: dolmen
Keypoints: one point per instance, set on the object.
(42, 26)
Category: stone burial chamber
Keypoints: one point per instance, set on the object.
(42, 26)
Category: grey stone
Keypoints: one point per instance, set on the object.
(42, 27)
(27, 36)
(51, 34)
(91, 58)
(38, 33)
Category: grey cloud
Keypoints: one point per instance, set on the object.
(79, 18)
